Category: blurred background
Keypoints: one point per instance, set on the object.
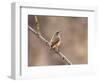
(74, 36)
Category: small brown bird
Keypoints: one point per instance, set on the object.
(55, 41)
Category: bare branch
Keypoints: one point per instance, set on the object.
(63, 57)
(37, 24)
(39, 35)
(48, 44)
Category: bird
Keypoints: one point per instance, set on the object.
(55, 41)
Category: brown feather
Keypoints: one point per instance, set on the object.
(55, 42)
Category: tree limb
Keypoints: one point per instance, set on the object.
(48, 44)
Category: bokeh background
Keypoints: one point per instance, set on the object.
(74, 37)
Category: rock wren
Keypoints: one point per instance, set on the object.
(55, 41)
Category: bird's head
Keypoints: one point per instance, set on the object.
(57, 33)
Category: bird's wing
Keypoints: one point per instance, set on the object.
(55, 41)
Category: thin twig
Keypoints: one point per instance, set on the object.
(48, 43)
(37, 24)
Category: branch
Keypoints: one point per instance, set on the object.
(37, 24)
(48, 44)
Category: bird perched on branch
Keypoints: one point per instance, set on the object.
(55, 41)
